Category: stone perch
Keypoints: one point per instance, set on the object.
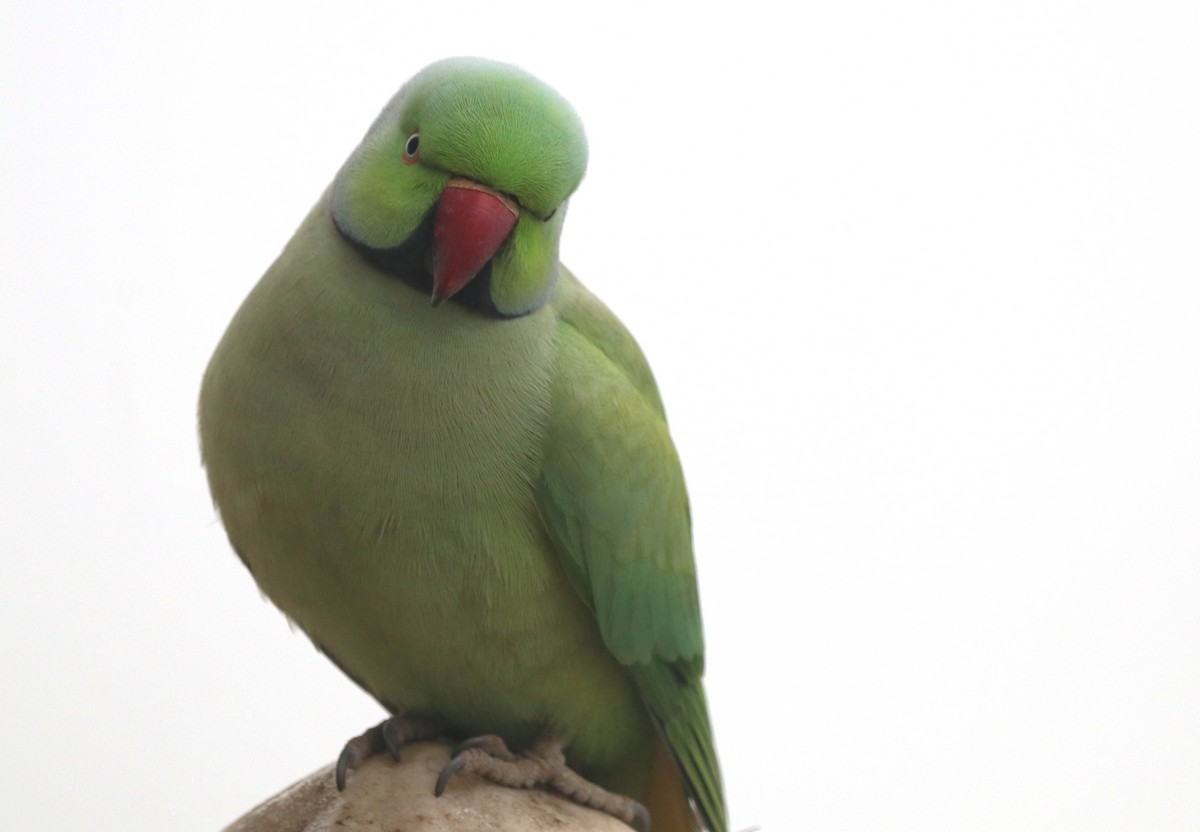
(385, 796)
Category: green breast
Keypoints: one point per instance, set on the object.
(373, 461)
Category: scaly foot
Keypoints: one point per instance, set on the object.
(542, 765)
(388, 736)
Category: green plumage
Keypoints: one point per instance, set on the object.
(476, 510)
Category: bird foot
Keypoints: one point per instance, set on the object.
(542, 765)
(387, 736)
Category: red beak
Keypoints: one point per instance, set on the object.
(473, 221)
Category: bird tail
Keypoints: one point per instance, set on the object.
(685, 730)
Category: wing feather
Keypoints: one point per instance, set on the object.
(614, 501)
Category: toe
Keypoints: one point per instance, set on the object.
(489, 744)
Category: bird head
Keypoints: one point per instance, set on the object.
(460, 186)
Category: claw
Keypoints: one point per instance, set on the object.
(388, 735)
(355, 751)
(490, 745)
(457, 764)
(348, 759)
(641, 818)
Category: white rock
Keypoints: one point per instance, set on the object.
(385, 796)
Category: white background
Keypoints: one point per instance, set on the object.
(919, 281)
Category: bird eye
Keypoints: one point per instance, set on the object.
(412, 147)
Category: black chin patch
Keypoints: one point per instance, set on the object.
(409, 262)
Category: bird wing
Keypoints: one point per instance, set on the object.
(613, 498)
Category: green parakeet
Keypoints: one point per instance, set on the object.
(472, 506)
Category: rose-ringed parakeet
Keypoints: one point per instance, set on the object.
(472, 506)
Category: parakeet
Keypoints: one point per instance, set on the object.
(448, 463)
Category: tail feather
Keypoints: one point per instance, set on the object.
(682, 717)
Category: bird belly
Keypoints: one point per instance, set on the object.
(374, 462)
